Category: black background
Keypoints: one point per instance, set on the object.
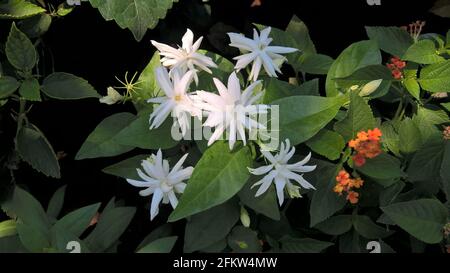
(84, 44)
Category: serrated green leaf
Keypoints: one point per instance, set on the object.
(410, 139)
(18, 9)
(383, 168)
(327, 143)
(393, 40)
(20, 50)
(65, 86)
(423, 52)
(436, 77)
(29, 90)
(426, 162)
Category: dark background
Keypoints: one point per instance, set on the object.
(84, 44)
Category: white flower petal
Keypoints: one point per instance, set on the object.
(154, 207)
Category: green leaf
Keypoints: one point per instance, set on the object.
(413, 87)
(164, 230)
(327, 143)
(149, 86)
(315, 64)
(7, 228)
(61, 237)
(276, 89)
(56, 202)
(423, 218)
(32, 238)
(436, 77)
(35, 149)
(210, 226)
(8, 85)
(368, 229)
(126, 168)
(390, 137)
(29, 90)
(392, 40)
(301, 117)
(336, 225)
(359, 118)
(441, 8)
(300, 33)
(36, 26)
(244, 240)
(77, 221)
(445, 170)
(423, 52)
(382, 167)
(65, 86)
(356, 56)
(426, 162)
(410, 139)
(365, 74)
(162, 245)
(102, 141)
(136, 15)
(137, 133)
(19, 50)
(428, 122)
(217, 177)
(110, 226)
(18, 9)
(303, 245)
(265, 204)
(389, 194)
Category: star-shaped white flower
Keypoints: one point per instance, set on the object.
(176, 101)
(185, 57)
(231, 110)
(162, 183)
(280, 172)
(259, 52)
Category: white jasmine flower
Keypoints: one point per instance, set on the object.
(162, 183)
(185, 57)
(231, 110)
(176, 100)
(112, 97)
(259, 52)
(281, 173)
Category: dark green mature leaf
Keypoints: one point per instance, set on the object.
(423, 218)
(445, 170)
(423, 52)
(56, 202)
(426, 162)
(8, 85)
(33, 238)
(276, 89)
(336, 225)
(354, 57)
(63, 241)
(162, 245)
(441, 8)
(327, 143)
(162, 231)
(265, 204)
(350, 242)
(390, 137)
(217, 177)
(410, 139)
(315, 64)
(383, 167)
(244, 240)
(368, 229)
(300, 33)
(77, 221)
(428, 121)
(19, 50)
(136, 15)
(359, 118)
(126, 168)
(137, 133)
(303, 245)
(389, 194)
(36, 26)
(29, 90)
(102, 141)
(436, 77)
(210, 226)
(65, 86)
(35, 149)
(110, 226)
(393, 40)
(18, 9)
(301, 117)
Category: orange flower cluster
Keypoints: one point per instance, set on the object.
(367, 145)
(396, 66)
(347, 184)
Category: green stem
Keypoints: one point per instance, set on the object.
(20, 119)
(399, 110)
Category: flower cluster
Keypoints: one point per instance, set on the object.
(346, 184)
(415, 29)
(446, 133)
(396, 66)
(367, 145)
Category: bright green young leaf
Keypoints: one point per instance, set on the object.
(368, 229)
(217, 177)
(413, 87)
(303, 245)
(436, 77)
(136, 15)
(301, 117)
(126, 168)
(30, 90)
(423, 218)
(354, 57)
(423, 52)
(210, 226)
(77, 221)
(393, 40)
(359, 118)
(56, 202)
(102, 141)
(410, 139)
(20, 50)
(244, 240)
(35, 149)
(382, 167)
(65, 86)
(18, 9)
(162, 245)
(149, 88)
(336, 225)
(7, 228)
(327, 143)
(8, 85)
